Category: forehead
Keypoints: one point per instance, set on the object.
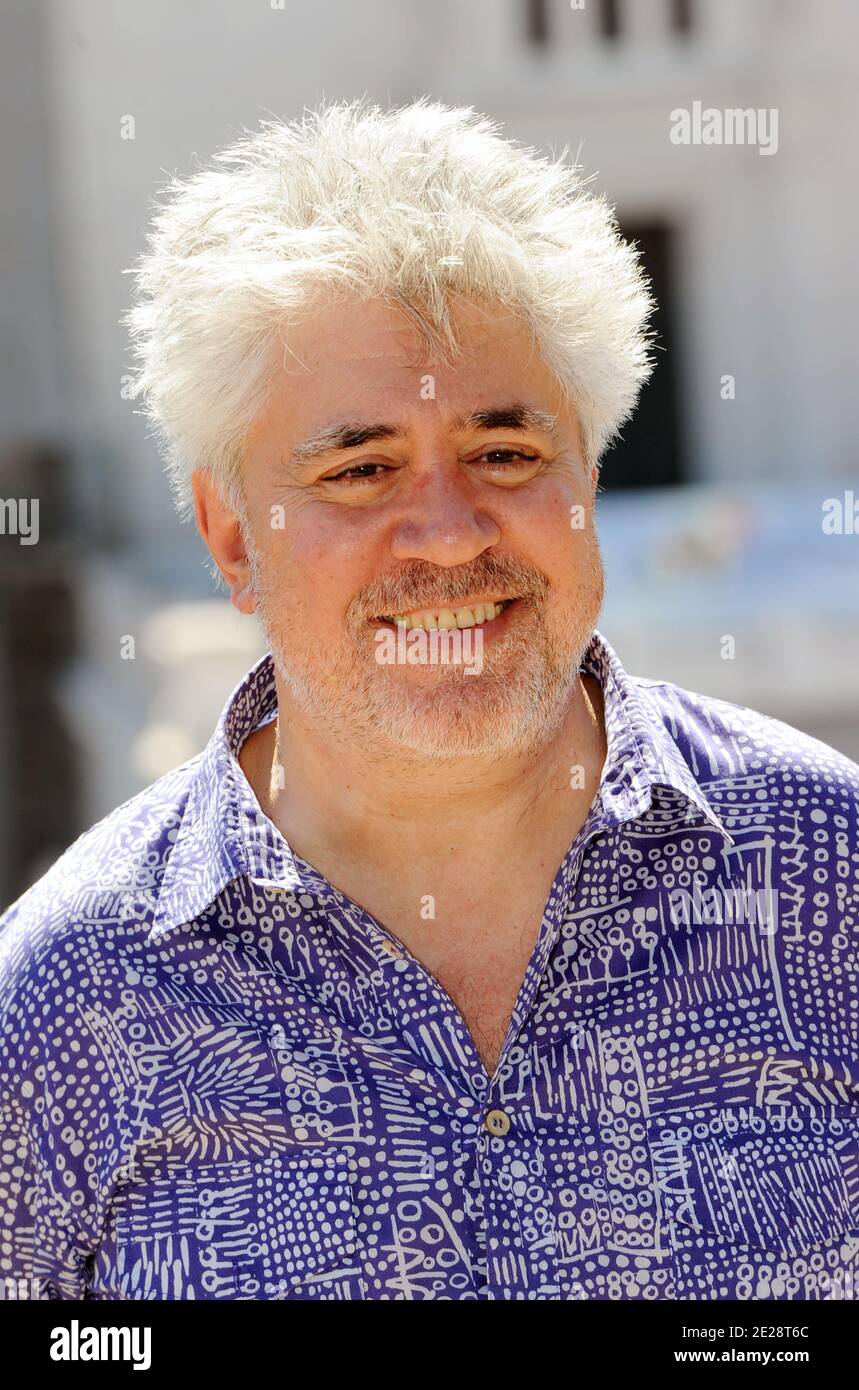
(351, 358)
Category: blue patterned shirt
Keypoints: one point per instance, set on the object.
(223, 1079)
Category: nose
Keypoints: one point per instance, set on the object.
(441, 524)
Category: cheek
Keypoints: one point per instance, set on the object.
(320, 560)
(331, 537)
(553, 527)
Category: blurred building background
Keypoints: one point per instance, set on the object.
(711, 513)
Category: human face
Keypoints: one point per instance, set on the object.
(378, 483)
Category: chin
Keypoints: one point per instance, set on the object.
(470, 716)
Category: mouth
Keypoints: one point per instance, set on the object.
(476, 614)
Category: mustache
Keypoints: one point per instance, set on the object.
(424, 585)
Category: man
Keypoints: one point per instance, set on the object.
(518, 978)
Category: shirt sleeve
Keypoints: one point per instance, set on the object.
(41, 1251)
(39, 1254)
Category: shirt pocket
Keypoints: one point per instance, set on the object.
(759, 1201)
(277, 1228)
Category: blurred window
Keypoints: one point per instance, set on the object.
(650, 452)
(611, 19)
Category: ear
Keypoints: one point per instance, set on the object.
(221, 529)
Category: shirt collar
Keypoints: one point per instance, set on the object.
(640, 752)
(223, 833)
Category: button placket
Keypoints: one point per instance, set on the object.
(520, 1229)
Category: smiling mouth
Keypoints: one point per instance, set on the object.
(467, 615)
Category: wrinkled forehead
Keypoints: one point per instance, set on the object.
(354, 366)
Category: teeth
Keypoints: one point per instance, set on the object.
(448, 618)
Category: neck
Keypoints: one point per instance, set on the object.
(339, 806)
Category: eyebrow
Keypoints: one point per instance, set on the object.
(351, 434)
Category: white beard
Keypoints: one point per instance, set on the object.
(514, 705)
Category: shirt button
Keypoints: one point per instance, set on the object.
(497, 1122)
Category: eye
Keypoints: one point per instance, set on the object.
(499, 459)
(507, 458)
(358, 473)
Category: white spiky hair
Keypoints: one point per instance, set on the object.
(408, 204)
